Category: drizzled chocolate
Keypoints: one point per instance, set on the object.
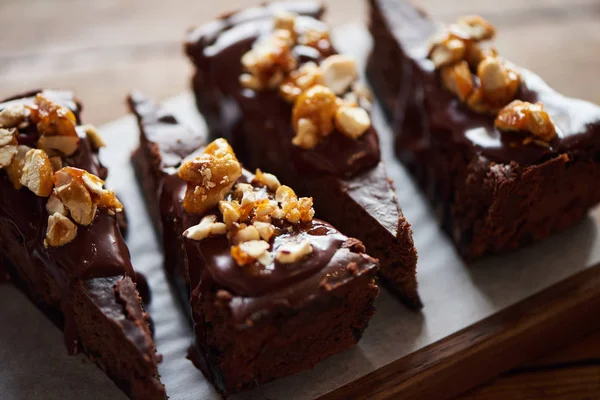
(428, 112)
(257, 289)
(217, 49)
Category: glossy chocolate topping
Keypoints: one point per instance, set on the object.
(442, 117)
(98, 249)
(217, 49)
(257, 289)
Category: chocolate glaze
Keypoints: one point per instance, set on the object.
(425, 111)
(257, 290)
(217, 48)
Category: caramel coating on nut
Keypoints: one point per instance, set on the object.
(308, 75)
(318, 105)
(447, 51)
(37, 173)
(56, 127)
(522, 116)
(457, 79)
(210, 176)
(473, 27)
(499, 84)
(61, 231)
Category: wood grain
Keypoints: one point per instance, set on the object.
(104, 48)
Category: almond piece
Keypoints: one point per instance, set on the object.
(13, 116)
(58, 145)
(15, 169)
(352, 122)
(37, 173)
(339, 71)
(60, 231)
(208, 226)
(292, 252)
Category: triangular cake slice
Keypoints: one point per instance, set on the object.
(60, 240)
(274, 290)
(505, 160)
(269, 79)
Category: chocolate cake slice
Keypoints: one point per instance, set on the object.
(504, 159)
(60, 241)
(273, 290)
(269, 79)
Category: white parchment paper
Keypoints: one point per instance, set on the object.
(34, 363)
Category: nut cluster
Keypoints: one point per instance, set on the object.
(74, 195)
(253, 214)
(471, 69)
(326, 96)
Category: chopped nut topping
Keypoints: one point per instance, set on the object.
(82, 193)
(473, 27)
(318, 39)
(231, 211)
(339, 71)
(307, 134)
(265, 230)
(352, 121)
(245, 193)
(268, 60)
(522, 116)
(93, 136)
(51, 118)
(478, 103)
(8, 146)
(446, 52)
(265, 208)
(13, 116)
(15, 169)
(71, 190)
(498, 83)
(457, 79)
(54, 206)
(246, 234)
(360, 96)
(248, 252)
(208, 226)
(285, 20)
(308, 75)
(292, 252)
(210, 176)
(476, 53)
(37, 173)
(266, 179)
(58, 145)
(293, 209)
(317, 105)
(60, 231)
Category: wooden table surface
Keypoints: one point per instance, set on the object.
(103, 48)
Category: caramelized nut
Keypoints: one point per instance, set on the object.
(292, 252)
(318, 39)
(523, 116)
(353, 122)
(475, 53)
(58, 145)
(285, 20)
(8, 146)
(8, 136)
(479, 104)
(37, 173)
(265, 230)
(51, 118)
(248, 252)
(74, 194)
(104, 198)
(13, 116)
(15, 169)
(60, 231)
(317, 104)
(266, 179)
(339, 71)
(54, 206)
(208, 226)
(457, 79)
(307, 134)
(446, 52)
(210, 176)
(56, 163)
(498, 83)
(246, 234)
(93, 136)
(305, 206)
(473, 27)
(308, 75)
(231, 211)
(268, 60)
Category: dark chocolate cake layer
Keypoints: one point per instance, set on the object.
(87, 286)
(253, 322)
(493, 191)
(344, 175)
